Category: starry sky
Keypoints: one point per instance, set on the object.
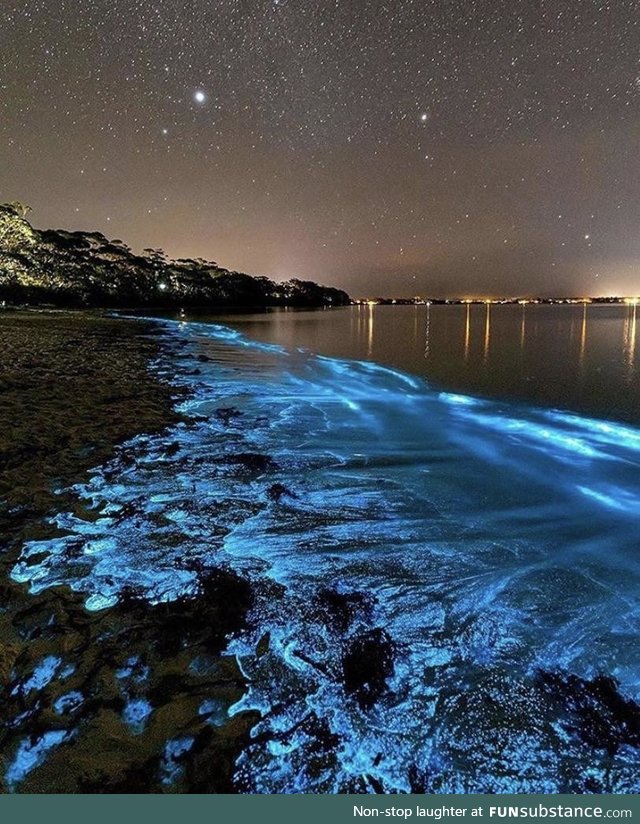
(432, 147)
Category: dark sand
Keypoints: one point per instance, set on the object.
(72, 387)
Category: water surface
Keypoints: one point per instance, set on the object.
(493, 546)
(583, 358)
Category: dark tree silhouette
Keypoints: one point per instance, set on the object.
(87, 269)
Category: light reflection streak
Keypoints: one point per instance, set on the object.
(467, 332)
(583, 336)
(427, 333)
(487, 333)
(630, 326)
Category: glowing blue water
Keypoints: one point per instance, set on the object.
(31, 754)
(493, 540)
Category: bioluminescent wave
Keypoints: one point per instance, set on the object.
(453, 576)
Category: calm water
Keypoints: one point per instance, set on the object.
(583, 359)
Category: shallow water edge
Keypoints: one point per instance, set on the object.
(442, 590)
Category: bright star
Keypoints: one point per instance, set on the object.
(199, 96)
(424, 117)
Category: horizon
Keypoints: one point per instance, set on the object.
(523, 298)
(502, 299)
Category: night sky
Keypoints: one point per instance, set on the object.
(449, 147)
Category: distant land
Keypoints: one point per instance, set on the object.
(79, 269)
(419, 301)
(87, 270)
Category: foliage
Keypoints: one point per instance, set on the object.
(64, 268)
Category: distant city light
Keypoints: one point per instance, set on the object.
(611, 300)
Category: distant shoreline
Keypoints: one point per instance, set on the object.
(599, 301)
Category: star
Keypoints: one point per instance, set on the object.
(424, 117)
(199, 96)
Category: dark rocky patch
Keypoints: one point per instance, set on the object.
(594, 710)
(253, 462)
(219, 608)
(342, 608)
(134, 779)
(209, 764)
(172, 449)
(277, 491)
(368, 661)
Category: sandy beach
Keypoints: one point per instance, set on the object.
(75, 386)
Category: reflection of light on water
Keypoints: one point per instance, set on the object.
(487, 332)
(427, 332)
(630, 325)
(370, 329)
(583, 335)
(361, 322)
(467, 333)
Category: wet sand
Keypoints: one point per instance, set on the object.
(75, 684)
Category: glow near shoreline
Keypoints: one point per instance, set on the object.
(492, 537)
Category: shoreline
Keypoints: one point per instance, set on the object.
(77, 386)
(65, 363)
(231, 627)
